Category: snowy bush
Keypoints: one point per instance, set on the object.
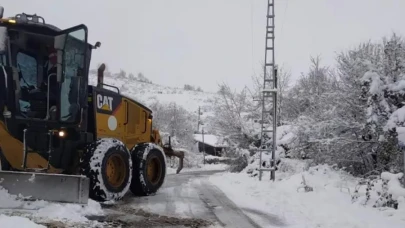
(380, 191)
(353, 115)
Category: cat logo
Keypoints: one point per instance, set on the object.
(104, 102)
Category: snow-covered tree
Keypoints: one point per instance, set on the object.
(175, 121)
(235, 115)
(352, 116)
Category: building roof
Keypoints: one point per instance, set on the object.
(212, 140)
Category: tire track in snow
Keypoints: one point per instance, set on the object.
(189, 198)
(226, 211)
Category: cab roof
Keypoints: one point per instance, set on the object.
(31, 23)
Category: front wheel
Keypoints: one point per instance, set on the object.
(107, 163)
(149, 169)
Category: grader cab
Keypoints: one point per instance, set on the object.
(62, 139)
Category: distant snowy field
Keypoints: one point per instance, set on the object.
(149, 93)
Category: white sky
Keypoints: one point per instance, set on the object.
(207, 42)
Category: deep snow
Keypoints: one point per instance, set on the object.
(329, 205)
(15, 221)
(17, 213)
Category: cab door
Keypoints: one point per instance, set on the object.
(72, 50)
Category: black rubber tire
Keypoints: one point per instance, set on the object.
(93, 165)
(141, 154)
(4, 165)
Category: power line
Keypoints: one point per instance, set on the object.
(251, 30)
(284, 19)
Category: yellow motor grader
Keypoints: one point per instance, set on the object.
(62, 139)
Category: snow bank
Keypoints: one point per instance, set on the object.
(206, 167)
(8, 201)
(394, 185)
(69, 212)
(328, 205)
(45, 211)
(211, 157)
(15, 221)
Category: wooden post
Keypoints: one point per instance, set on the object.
(203, 145)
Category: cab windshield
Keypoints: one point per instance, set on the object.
(50, 71)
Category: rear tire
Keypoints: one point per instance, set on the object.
(149, 169)
(107, 163)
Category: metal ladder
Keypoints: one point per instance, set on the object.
(269, 94)
(26, 151)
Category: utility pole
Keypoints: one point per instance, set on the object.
(203, 145)
(269, 95)
(198, 120)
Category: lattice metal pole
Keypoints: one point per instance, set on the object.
(269, 93)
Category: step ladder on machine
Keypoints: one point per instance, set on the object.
(26, 150)
(269, 96)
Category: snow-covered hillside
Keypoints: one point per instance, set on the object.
(148, 93)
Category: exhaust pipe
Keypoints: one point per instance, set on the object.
(100, 75)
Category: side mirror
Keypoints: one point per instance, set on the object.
(97, 45)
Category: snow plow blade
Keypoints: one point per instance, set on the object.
(46, 186)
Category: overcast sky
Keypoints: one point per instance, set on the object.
(206, 42)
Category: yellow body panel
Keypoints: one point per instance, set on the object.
(13, 151)
(111, 125)
(121, 118)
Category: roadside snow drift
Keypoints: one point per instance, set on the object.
(15, 221)
(329, 205)
(15, 212)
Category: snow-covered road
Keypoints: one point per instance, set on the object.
(204, 198)
(186, 200)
